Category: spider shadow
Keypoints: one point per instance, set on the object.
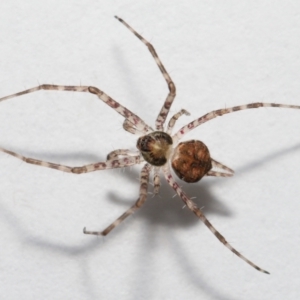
(74, 252)
(161, 211)
(45, 244)
(157, 212)
(165, 211)
(134, 90)
(267, 159)
(126, 70)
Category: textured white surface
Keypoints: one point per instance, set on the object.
(219, 54)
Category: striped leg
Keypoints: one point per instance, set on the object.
(217, 164)
(128, 126)
(218, 174)
(174, 119)
(144, 180)
(156, 180)
(229, 172)
(121, 152)
(110, 164)
(161, 118)
(220, 112)
(193, 207)
(133, 118)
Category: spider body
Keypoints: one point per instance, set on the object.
(191, 161)
(160, 148)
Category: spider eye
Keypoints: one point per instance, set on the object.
(155, 147)
(191, 161)
(144, 143)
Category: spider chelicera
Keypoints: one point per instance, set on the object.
(158, 148)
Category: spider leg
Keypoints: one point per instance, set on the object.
(218, 174)
(128, 126)
(161, 118)
(217, 164)
(174, 119)
(197, 211)
(110, 164)
(123, 111)
(156, 180)
(144, 180)
(121, 152)
(220, 112)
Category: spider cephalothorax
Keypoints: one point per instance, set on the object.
(160, 149)
(155, 147)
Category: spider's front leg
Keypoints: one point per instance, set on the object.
(161, 118)
(144, 180)
(110, 164)
(135, 120)
(220, 112)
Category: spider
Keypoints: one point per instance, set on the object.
(157, 149)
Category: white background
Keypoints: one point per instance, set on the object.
(219, 54)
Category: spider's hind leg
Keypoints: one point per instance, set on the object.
(198, 212)
(229, 172)
(218, 174)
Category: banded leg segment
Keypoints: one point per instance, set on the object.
(197, 211)
(217, 164)
(121, 152)
(129, 127)
(156, 180)
(161, 118)
(144, 180)
(174, 119)
(220, 112)
(229, 172)
(218, 174)
(110, 164)
(123, 111)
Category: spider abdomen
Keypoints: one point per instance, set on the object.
(191, 160)
(155, 147)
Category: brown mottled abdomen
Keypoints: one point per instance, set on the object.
(191, 161)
